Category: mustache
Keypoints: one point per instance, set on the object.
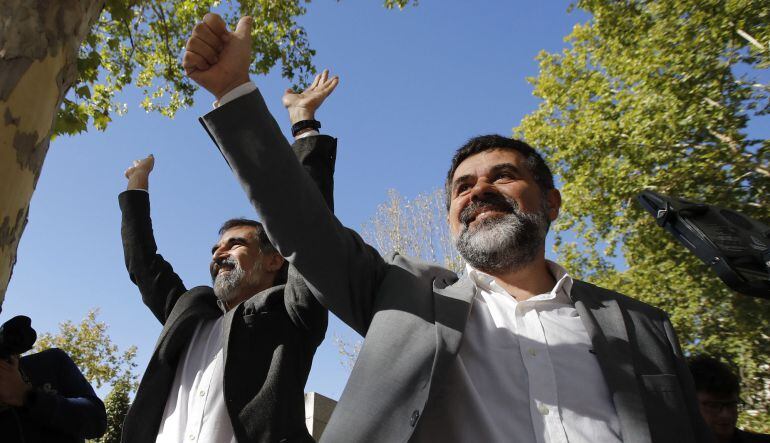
(493, 202)
(218, 264)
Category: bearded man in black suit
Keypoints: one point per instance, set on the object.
(232, 361)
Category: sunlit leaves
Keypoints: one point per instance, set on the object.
(142, 41)
(90, 347)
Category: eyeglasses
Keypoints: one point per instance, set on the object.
(715, 407)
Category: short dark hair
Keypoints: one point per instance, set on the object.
(265, 246)
(535, 163)
(713, 376)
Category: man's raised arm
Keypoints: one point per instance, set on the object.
(340, 268)
(159, 285)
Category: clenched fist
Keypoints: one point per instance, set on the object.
(216, 58)
(138, 174)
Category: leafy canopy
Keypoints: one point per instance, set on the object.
(141, 41)
(92, 350)
(661, 95)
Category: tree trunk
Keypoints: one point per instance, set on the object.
(39, 42)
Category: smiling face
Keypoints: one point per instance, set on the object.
(498, 214)
(239, 268)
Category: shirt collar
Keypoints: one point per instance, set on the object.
(560, 292)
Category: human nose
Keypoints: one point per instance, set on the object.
(219, 255)
(481, 189)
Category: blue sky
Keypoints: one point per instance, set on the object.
(415, 84)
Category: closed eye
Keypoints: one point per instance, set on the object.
(504, 178)
(231, 244)
(462, 187)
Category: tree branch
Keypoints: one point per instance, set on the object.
(751, 39)
(161, 14)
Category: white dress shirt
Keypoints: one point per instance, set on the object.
(195, 409)
(525, 372)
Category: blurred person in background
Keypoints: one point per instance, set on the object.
(718, 391)
(43, 396)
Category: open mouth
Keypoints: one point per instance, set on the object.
(221, 268)
(482, 213)
(225, 267)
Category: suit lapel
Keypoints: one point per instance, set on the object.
(452, 307)
(197, 304)
(604, 321)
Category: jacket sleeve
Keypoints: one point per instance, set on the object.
(159, 285)
(74, 409)
(341, 270)
(317, 155)
(701, 431)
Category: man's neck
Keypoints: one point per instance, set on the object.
(244, 295)
(528, 281)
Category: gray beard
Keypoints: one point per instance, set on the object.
(228, 285)
(504, 243)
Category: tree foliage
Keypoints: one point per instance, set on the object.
(92, 350)
(661, 95)
(117, 404)
(141, 41)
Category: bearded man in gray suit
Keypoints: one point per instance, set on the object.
(514, 350)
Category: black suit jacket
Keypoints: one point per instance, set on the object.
(63, 407)
(269, 340)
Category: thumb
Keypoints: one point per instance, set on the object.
(243, 28)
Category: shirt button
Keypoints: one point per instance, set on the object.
(192, 437)
(202, 393)
(532, 352)
(543, 409)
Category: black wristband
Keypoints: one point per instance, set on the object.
(304, 124)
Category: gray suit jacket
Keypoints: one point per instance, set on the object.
(413, 314)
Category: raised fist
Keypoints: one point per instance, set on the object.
(143, 166)
(217, 59)
(138, 173)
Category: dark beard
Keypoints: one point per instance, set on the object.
(502, 243)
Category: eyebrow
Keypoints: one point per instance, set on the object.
(230, 241)
(496, 169)
(505, 167)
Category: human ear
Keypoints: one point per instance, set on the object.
(553, 199)
(274, 262)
